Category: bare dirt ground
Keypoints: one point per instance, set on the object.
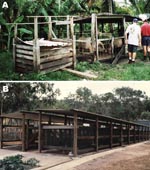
(132, 157)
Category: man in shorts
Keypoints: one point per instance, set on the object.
(133, 39)
(145, 33)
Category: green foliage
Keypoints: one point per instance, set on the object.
(22, 96)
(124, 103)
(16, 163)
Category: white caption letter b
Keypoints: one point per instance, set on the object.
(5, 89)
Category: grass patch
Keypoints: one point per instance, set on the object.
(105, 71)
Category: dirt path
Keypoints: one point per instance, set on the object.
(125, 158)
(133, 157)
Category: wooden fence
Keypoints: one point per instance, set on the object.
(41, 55)
(74, 131)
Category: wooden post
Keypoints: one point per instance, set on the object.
(14, 47)
(142, 133)
(134, 133)
(148, 133)
(1, 132)
(36, 47)
(49, 28)
(15, 31)
(75, 135)
(111, 134)
(97, 134)
(27, 135)
(65, 122)
(139, 133)
(50, 120)
(121, 135)
(71, 27)
(73, 41)
(40, 133)
(93, 31)
(68, 28)
(97, 43)
(74, 51)
(128, 127)
(23, 133)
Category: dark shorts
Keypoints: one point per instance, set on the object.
(146, 40)
(132, 48)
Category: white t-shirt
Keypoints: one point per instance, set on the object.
(134, 31)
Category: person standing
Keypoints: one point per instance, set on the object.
(145, 33)
(133, 39)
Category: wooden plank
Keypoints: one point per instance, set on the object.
(24, 66)
(57, 57)
(24, 52)
(63, 22)
(25, 47)
(80, 74)
(75, 135)
(24, 61)
(55, 51)
(118, 56)
(24, 57)
(22, 69)
(86, 137)
(57, 147)
(56, 68)
(55, 63)
(57, 127)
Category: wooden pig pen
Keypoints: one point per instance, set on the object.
(106, 33)
(44, 53)
(73, 131)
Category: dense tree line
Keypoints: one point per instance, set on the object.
(27, 96)
(18, 10)
(123, 103)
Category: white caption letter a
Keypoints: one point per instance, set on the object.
(5, 5)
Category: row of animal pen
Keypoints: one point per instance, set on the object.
(67, 130)
(99, 37)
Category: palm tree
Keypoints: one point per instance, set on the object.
(139, 7)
